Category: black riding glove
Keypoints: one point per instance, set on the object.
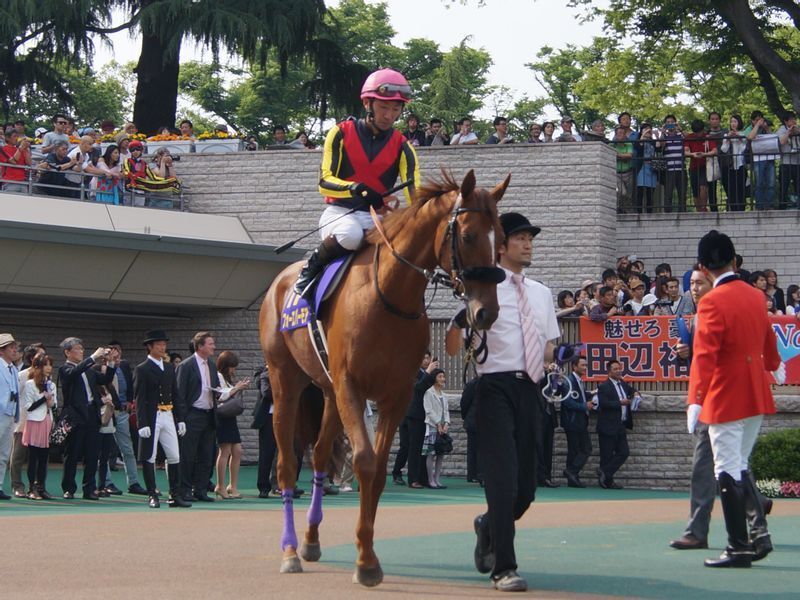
(367, 195)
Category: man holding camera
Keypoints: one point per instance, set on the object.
(17, 151)
(436, 135)
(81, 407)
(762, 143)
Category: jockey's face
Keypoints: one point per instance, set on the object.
(385, 112)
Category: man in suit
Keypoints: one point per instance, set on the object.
(729, 388)
(198, 383)
(414, 434)
(154, 390)
(9, 402)
(262, 421)
(703, 485)
(614, 417)
(81, 407)
(575, 421)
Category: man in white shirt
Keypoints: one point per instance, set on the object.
(465, 136)
(762, 145)
(510, 403)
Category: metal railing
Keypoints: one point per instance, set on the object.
(83, 191)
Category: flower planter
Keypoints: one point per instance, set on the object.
(174, 146)
(218, 146)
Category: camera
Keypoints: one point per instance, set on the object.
(175, 157)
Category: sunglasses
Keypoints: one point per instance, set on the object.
(136, 149)
(388, 90)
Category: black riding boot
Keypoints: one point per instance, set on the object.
(739, 552)
(149, 472)
(328, 251)
(756, 517)
(175, 498)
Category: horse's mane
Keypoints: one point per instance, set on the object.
(431, 190)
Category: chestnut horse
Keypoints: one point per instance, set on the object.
(377, 333)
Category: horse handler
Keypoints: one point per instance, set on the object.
(509, 401)
(155, 388)
(361, 162)
(729, 388)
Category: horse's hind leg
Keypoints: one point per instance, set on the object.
(287, 385)
(310, 549)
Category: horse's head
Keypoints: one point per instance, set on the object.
(468, 244)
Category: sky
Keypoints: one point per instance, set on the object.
(512, 31)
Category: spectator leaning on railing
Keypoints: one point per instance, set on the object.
(17, 151)
(789, 137)
(52, 172)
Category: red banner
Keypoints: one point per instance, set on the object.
(646, 347)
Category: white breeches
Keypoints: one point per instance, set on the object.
(349, 230)
(732, 444)
(166, 435)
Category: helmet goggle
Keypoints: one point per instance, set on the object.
(390, 90)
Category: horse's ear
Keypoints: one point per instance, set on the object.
(468, 185)
(500, 189)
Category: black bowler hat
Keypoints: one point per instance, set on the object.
(155, 335)
(514, 223)
(715, 250)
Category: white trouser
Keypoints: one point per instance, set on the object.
(349, 230)
(732, 444)
(166, 435)
(6, 438)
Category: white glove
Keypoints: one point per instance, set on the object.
(181, 429)
(780, 374)
(693, 416)
(144, 432)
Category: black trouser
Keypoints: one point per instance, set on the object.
(614, 452)
(675, 180)
(37, 465)
(197, 451)
(83, 440)
(579, 449)
(266, 454)
(735, 181)
(107, 445)
(509, 425)
(546, 451)
(417, 471)
(402, 451)
(474, 471)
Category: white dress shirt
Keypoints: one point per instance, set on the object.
(506, 349)
(206, 399)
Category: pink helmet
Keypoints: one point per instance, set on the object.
(386, 84)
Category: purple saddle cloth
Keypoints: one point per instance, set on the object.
(296, 311)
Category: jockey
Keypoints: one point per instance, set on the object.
(361, 161)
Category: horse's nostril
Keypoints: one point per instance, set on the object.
(480, 315)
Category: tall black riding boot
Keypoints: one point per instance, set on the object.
(175, 498)
(328, 251)
(149, 472)
(739, 552)
(756, 517)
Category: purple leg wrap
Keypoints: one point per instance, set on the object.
(289, 537)
(315, 510)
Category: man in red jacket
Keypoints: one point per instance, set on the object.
(729, 387)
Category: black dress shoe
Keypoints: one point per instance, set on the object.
(762, 546)
(203, 498)
(91, 496)
(4, 496)
(263, 494)
(398, 480)
(573, 481)
(154, 502)
(601, 478)
(113, 490)
(137, 489)
(20, 493)
(69, 495)
(688, 542)
(613, 486)
(731, 559)
(548, 483)
(484, 557)
(177, 501)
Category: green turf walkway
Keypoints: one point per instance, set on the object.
(458, 492)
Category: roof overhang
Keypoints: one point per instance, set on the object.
(65, 249)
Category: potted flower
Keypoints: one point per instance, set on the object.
(176, 144)
(218, 142)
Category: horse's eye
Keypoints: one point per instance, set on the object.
(468, 238)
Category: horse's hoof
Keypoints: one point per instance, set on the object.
(310, 552)
(368, 577)
(291, 565)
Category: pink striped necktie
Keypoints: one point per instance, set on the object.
(534, 357)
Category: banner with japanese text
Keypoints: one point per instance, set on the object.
(646, 347)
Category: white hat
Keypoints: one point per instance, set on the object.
(6, 339)
(649, 300)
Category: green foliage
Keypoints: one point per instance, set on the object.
(776, 455)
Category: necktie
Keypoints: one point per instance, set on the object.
(622, 396)
(534, 357)
(15, 387)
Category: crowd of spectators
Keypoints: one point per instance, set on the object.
(628, 290)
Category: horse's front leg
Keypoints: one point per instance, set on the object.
(310, 549)
(389, 418)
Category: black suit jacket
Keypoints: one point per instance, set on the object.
(416, 410)
(73, 392)
(609, 409)
(261, 413)
(151, 387)
(574, 415)
(190, 383)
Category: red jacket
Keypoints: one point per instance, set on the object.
(734, 348)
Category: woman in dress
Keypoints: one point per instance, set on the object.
(437, 420)
(38, 399)
(108, 186)
(228, 439)
(646, 178)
